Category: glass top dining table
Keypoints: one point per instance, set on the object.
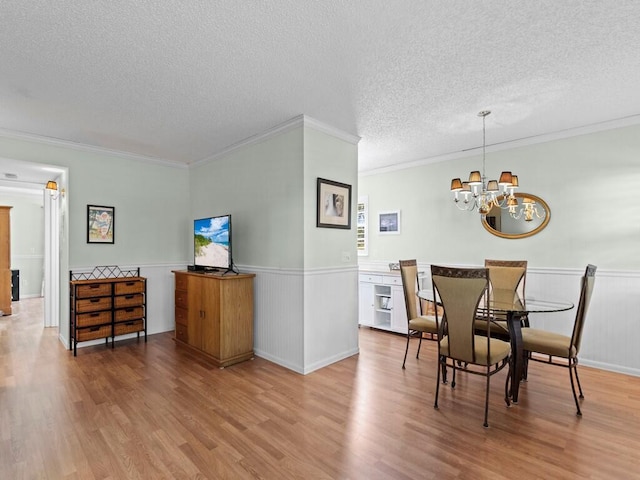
(514, 308)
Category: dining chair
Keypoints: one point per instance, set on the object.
(507, 274)
(506, 278)
(562, 350)
(418, 324)
(460, 291)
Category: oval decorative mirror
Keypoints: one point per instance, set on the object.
(528, 217)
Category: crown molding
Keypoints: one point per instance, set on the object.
(260, 137)
(329, 130)
(291, 124)
(629, 121)
(55, 142)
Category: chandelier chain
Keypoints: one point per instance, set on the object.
(484, 144)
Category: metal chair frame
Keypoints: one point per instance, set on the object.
(410, 295)
(467, 364)
(571, 361)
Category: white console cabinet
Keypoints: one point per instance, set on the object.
(382, 302)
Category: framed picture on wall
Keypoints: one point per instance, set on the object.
(333, 205)
(100, 224)
(362, 226)
(389, 222)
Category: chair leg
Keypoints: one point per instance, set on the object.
(573, 389)
(486, 399)
(419, 345)
(444, 372)
(406, 350)
(453, 380)
(575, 366)
(435, 404)
(507, 387)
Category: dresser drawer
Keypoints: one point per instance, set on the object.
(182, 333)
(93, 304)
(132, 286)
(181, 299)
(128, 327)
(392, 280)
(364, 277)
(132, 313)
(90, 319)
(181, 315)
(133, 300)
(93, 290)
(92, 333)
(181, 282)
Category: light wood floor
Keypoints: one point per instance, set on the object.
(152, 411)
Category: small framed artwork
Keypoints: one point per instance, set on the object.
(362, 226)
(389, 222)
(334, 204)
(100, 223)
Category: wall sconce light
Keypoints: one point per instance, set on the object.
(52, 188)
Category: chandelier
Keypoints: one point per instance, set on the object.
(479, 194)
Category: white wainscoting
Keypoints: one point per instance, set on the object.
(305, 320)
(611, 336)
(160, 296)
(278, 326)
(302, 320)
(611, 333)
(330, 316)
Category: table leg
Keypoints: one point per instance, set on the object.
(517, 353)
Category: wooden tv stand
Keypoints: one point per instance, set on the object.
(214, 315)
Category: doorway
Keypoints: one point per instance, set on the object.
(26, 180)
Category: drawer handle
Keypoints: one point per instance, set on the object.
(128, 310)
(129, 324)
(94, 300)
(94, 315)
(128, 297)
(94, 329)
(130, 284)
(94, 286)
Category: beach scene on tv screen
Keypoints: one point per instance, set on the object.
(211, 237)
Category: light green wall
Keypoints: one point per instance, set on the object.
(589, 182)
(150, 208)
(270, 190)
(27, 240)
(326, 156)
(151, 204)
(261, 186)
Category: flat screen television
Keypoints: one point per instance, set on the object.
(212, 243)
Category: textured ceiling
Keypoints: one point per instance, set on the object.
(182, 80)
